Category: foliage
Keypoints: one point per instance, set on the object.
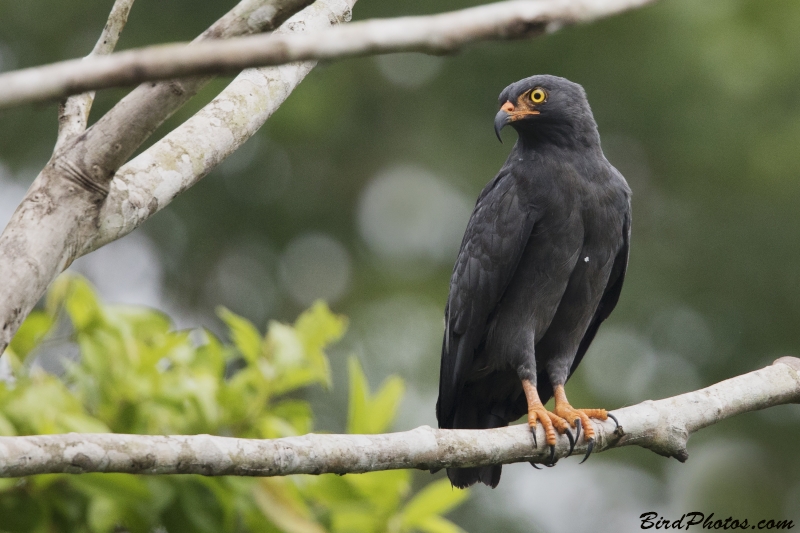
(136, 375)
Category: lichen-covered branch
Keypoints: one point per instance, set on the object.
(663, 426)
(60, 212)
(441, 33)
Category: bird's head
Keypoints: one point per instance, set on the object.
(545, 107)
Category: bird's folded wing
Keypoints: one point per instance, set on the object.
(495, 238)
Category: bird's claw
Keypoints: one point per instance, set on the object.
(577, 429)
(551, 461)
(614, 418)
(571, 441)
(590, 442)
(588, 451)
(533, 432)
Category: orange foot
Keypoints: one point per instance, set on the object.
(551, 422)
(578, 418)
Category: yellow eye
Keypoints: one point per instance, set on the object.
(538, 96)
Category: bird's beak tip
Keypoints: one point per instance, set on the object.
(500, 120)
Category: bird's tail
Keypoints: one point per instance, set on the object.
(471, 413)
(464, 477)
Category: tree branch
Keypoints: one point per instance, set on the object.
(662, 426)
(441, 33)
(73, 114)
(149, 182)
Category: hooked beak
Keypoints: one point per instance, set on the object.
(508, 114)
(502, 118)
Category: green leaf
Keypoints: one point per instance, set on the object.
(296, 378)
(103, 514)
(243, 333)
(198, 507)
(288, 418)
(330, 491)
(82, 423)
(368, 414)
(82, 305)
(224, 500)
(280, 501)
(284, 346)
(317, 328)
(213, 355)
(358, 408)
(382, 490)
(384, 405)
(435, 499)
(437, 524)
(31, 333)
(120, 486)
(147, 324)
(41, 405)
(7, 429)
(349, 520)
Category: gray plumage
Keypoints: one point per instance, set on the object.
(541, 265)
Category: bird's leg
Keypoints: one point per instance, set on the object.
(550, 422)
(578, 418)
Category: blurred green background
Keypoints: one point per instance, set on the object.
(358, 189)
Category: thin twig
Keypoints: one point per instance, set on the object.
(73, 114)
(663, 426)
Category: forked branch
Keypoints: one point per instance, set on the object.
(59, 216)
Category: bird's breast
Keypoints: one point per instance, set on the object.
(570, 249)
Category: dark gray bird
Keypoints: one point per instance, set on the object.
(541, 266)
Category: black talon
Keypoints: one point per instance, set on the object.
(588, 451)
(577, 429)
(571, 442)
(551, 459)
(537, 467)
(614, 418)
(533, 432)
